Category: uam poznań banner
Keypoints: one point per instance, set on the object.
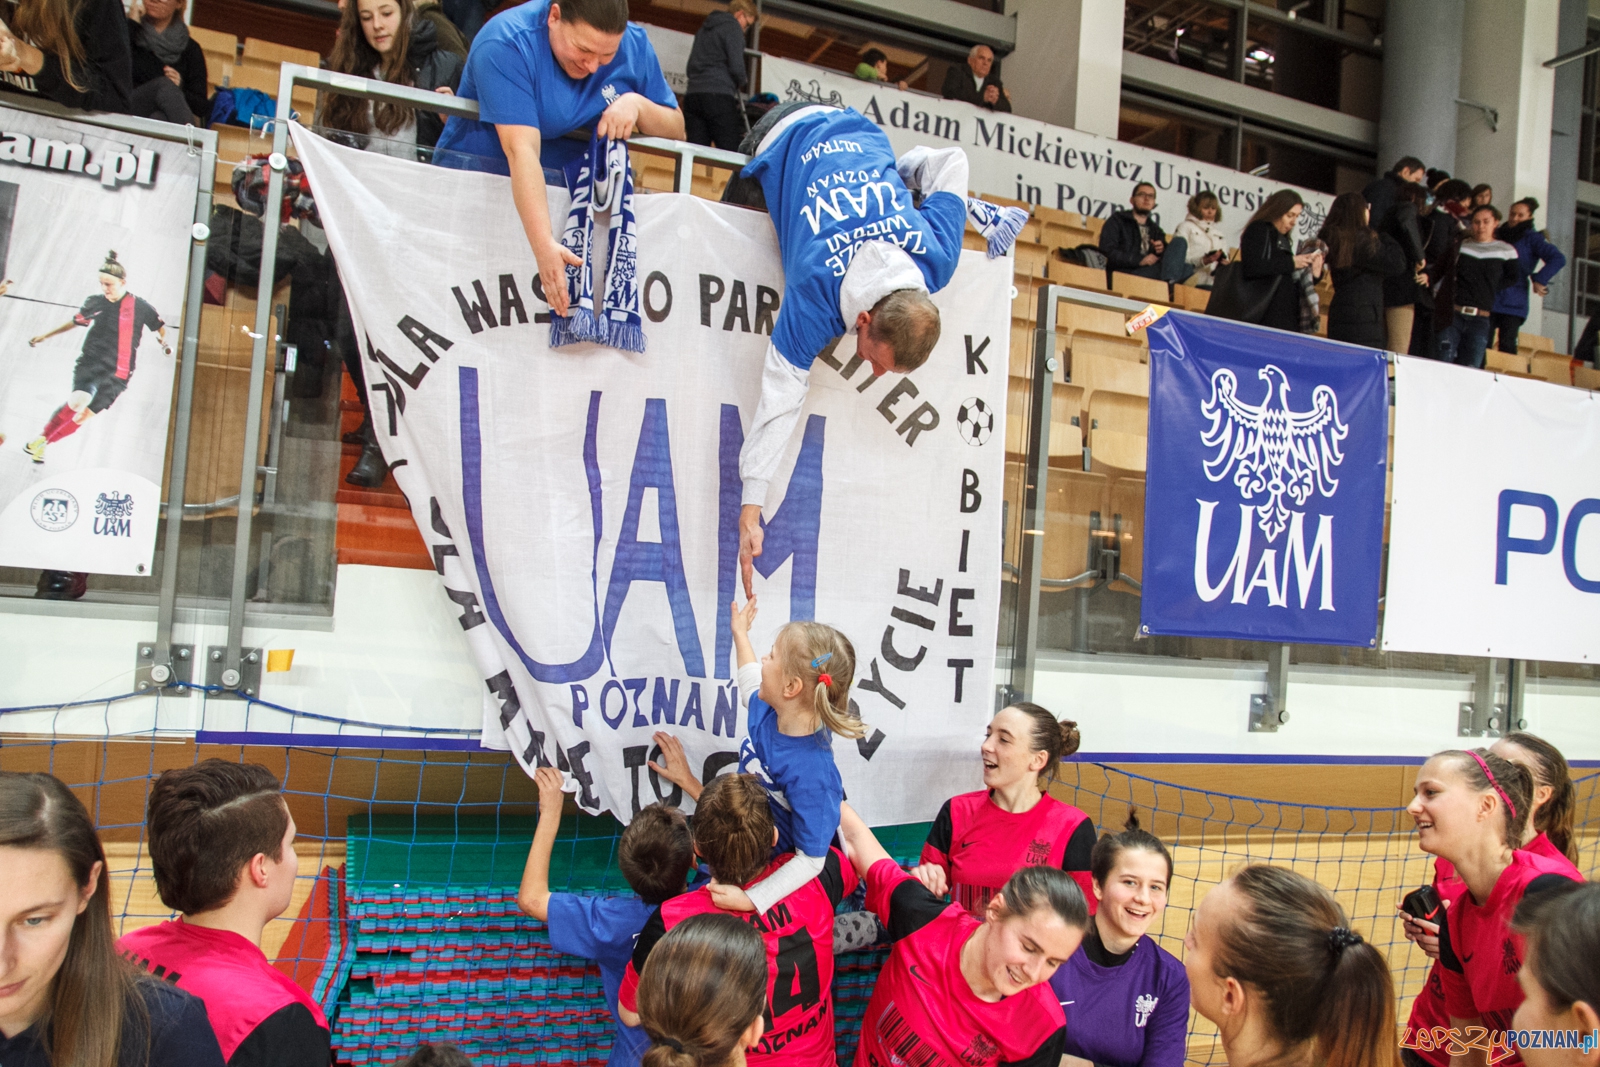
(582, 503)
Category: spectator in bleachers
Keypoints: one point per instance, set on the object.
(1455, 197)
(1273, 962)
(1436, 177)
(654, 854)
(1134, 243)
(1201, 231)
(1440, 232)
(1482, 195)
(221, 843)
(66, 997)
(1394, 213)
(1268, 261)
(1362, 261)
(1558, 974)
(385, 40)
(874, 67)
(703, 1001)
(978, 83)
(75, 54)
(169, 68)
(1483, 267)
(713, 108)
(1511, 303)
(1306, 279)
(538, 72)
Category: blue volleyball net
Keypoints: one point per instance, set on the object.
(404, 923)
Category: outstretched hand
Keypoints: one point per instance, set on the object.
(551, 798)
(674, 765)
(553, 260)
(750, 538)
(743, 617)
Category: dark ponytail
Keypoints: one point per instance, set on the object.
(703, 985)
(1555, 819)
(1321, 981)
(1057, 740)
(1562, 926)
(1103, 859)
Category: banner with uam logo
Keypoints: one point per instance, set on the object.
(1494, 543)
(94, 252)
(1264, 496)
(582, 503)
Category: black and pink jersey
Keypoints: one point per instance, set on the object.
(980, 846)
(798, 931)
(1479, 953)
(111, 347)
(923, 1013)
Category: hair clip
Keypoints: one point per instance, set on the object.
(820, 660)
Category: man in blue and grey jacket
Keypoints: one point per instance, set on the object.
(1511, 303)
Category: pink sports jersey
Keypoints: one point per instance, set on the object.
(231, 976)
(923, 1013)
(1480, 954)
(798, 931)
(1428, 1011)
(980, 846)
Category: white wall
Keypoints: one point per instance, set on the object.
(1067, 69)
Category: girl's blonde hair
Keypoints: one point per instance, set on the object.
(810, 650)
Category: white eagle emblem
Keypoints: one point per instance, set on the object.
(1273, 451)
(1143, 1006)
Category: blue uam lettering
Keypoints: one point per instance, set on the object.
(1300, 566)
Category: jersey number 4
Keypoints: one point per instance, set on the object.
(797, 984)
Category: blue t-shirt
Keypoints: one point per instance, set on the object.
(803, 786)
(515, 79)
(831, 186)
(603, 929)
(1132, 1014)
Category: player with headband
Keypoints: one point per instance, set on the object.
(1550, 819)
(1470, 808)
(980, 839)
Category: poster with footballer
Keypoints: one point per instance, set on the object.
(582, 502)
(94, 251)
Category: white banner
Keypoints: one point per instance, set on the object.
(85, 385)
(582, 504)
(1489, 550)
(1034, 161)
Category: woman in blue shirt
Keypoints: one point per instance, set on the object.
(1126, 999)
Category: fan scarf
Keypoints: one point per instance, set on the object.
(601, 182)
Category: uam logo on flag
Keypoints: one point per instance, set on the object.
(1265, 490)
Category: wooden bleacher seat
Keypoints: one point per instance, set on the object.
(970, 239)
(1072, 498)
(1115, 345)
(1550, 366)
(1127, 518)
(265, 78)
(1022, 305)
(1066, 426)
(1586, 377)
(1535, 342)
(1092, 370)
(1032, 259)
(271, 54)
(1005, 201)
(1021, 363)
(1190, 297)
(1496, 360)
(1116, 430)
(1136, 288)
(1094, 225)
(1055, 216)
(1030, 231)
(1078, 277)
(1071, 318)
(219, 71)
(217, 41)
(1058, 236)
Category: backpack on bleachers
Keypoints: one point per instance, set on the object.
(1084, 256)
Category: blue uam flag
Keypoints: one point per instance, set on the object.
(1264, 495)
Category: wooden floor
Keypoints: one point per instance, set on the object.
(134, 902)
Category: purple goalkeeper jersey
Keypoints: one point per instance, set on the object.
(1124, 1011)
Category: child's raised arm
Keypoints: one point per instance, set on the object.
(860, 845)
(534, 895)
(742, 618)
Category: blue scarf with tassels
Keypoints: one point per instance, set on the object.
(601, 181)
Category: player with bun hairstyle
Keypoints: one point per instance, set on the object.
(1559, 978)
(66, 998)
(979, 839)
(797, 697)
(1550, 821)
(1471, 808)
(957, 989)
(733, 832)
(1273, 962)
(702, 995)
(1126, 998)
